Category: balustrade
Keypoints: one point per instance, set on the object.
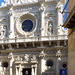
(33, 39)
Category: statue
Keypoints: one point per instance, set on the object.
(50, 30)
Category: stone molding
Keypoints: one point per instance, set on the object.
(19, 23)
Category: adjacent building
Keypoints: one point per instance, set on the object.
(32, 40)
(70, 24)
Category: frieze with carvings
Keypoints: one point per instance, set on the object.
(27, 8)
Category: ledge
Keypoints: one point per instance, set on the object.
(70, 22)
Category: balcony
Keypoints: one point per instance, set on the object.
(33, 39)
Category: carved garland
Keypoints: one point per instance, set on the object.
(19, 23)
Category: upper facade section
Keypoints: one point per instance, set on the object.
(37, 19)
(17, 2)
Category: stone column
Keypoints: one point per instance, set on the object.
(19, 69)
(16, 71)
(36, 69)
(32, 70)
(58, 23)
(58, 54)
(58, 66)
(10, 56)
(42, 61)
(11, 61)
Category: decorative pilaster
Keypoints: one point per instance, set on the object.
(36, 69)
(10, 56)
(16, 71)
(42, 61)
(11, 14)
(41, 9)
(58, 54)
(32, 70)
(60, 18)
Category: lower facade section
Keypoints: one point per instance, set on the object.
(43, 62)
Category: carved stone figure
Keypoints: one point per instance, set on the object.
(50, 30)
(26, 57)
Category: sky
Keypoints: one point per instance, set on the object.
(65, 16)
(1, 2)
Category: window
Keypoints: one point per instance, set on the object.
(5, 64)
(27, 25)
(49, 63)
(64, 65)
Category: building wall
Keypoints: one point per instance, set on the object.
(71, 4)
(71, 42)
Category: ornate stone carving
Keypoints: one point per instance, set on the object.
(18, 58)
(33, 57)
(42, 54)
(26, 57)
(41, 9)
(10, 46)
(58, 54)
(10, 11)
(22, 18)
(10, 56)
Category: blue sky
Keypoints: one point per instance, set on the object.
(1, 2)
(65, 14)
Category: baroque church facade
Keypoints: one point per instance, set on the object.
(32, 39)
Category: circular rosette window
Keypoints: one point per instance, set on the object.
(26, 25)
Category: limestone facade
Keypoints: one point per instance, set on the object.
(38, 48)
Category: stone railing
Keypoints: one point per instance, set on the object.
(33, 39)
